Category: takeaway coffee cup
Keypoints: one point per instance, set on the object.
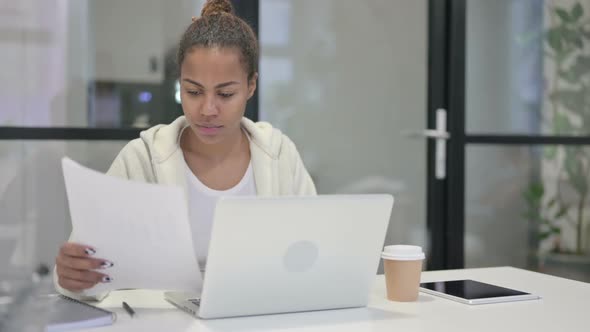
(403, 265)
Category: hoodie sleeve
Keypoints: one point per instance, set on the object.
(133, 163)
(302, 182)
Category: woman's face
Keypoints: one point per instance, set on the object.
(214, 92)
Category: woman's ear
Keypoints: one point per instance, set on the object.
(252, 85)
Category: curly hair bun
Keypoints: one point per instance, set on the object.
(216, 7)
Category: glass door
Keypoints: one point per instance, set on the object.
(520, 112)
(347, 82)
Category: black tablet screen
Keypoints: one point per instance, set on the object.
(470, 289)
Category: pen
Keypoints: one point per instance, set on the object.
(128, 309)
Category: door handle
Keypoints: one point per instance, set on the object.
(429, 133)
(441, 135)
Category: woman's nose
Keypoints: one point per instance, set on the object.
(209, 108)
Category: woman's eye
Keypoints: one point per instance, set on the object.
(193, 92)
(226, 95)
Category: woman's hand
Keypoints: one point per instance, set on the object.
(75, 265)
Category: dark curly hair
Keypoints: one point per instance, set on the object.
(218, 26)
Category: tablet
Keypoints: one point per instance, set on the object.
(474, 292)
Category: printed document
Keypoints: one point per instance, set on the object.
(143, 229)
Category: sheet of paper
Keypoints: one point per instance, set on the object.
(142, 228)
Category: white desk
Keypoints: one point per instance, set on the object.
(565, 306)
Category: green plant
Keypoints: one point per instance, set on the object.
(569, 112)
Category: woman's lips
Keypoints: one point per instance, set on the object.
(209, 129)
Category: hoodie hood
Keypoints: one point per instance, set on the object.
(164, 140)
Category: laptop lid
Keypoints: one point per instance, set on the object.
(289, 254)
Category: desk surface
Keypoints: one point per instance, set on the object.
(564, 307)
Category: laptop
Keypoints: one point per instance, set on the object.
(290, 254)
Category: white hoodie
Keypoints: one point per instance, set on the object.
(156, 157)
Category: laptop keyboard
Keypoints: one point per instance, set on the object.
(195, 301)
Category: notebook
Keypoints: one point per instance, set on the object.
(67, 314)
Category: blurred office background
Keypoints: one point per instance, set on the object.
(347, 80)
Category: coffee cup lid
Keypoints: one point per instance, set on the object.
(403, 253)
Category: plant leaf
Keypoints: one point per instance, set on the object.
(545, 221)
(531, 216)
(569, 76)
(574, 168)
(580, 67)
(533, 195)
(544, 235)
(563, 15)
(579, 42)
(562, 124)
(571, 36)
(562, 211)
(574, 100)
(532, 201)
(537, 190)
(555, 40)
(577, 12)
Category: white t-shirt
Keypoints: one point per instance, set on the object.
(202, 201)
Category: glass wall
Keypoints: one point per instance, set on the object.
(34, 218)
(76, 63)
(527, 67)
(527, 207)
(73, 63)
(504, 66)
(528, 75)
(345, 79)
(110, 64)
(89, 63)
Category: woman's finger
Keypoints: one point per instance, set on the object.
(82, 263)
(77, 250)
(75, 285)
(82, 275)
